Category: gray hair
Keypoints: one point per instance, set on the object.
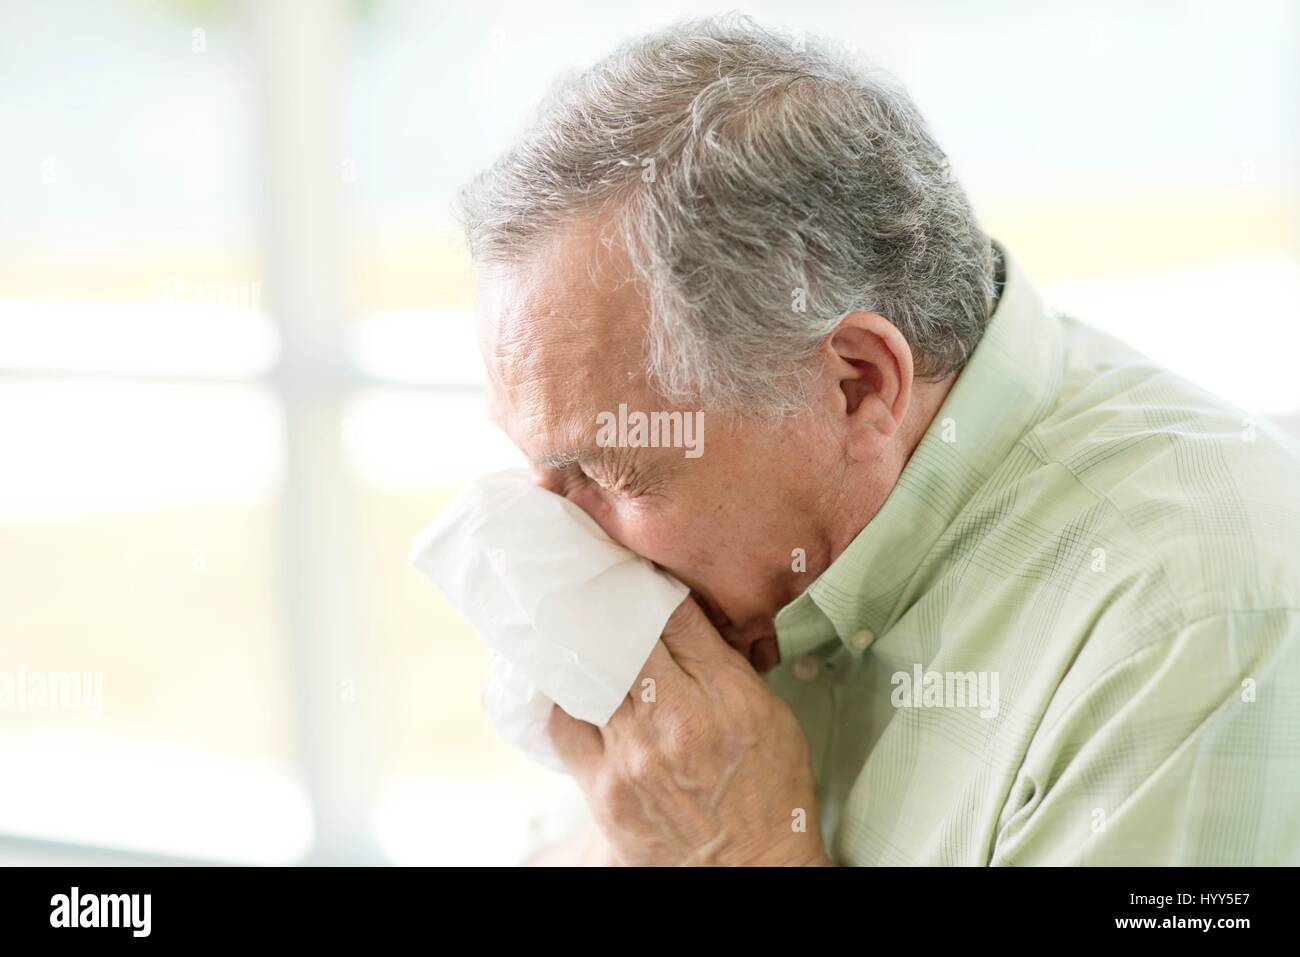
(763, 186)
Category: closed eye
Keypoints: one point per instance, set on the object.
(612, 474)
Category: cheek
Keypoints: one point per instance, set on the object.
(662, 532)
(653, 533)
(678, 545)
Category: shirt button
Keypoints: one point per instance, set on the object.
(805, 668)
(860, 639)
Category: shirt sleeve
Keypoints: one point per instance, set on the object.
(1185, 752)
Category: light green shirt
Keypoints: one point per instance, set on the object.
(1093, 567)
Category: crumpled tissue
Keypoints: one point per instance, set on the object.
(570, 616)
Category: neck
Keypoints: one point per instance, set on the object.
(861, 491)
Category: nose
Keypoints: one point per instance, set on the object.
(590, 501)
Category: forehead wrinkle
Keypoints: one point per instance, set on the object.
(574, 434)
(564, 340)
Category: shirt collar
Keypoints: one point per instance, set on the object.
(1009, 383)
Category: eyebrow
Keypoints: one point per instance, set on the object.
(575, 456)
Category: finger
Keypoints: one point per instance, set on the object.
(691, 639)
(659, 667)
(578, 743)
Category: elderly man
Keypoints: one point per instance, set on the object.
(972, 583)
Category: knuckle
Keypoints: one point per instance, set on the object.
(682, 617)
(643, 764)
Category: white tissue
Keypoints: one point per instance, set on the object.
(570, 615)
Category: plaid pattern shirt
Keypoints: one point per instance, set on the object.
(1072, 633)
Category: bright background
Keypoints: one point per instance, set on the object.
(237, 371)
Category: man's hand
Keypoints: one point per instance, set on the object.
(704, 766)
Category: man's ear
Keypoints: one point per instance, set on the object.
(872, 364)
